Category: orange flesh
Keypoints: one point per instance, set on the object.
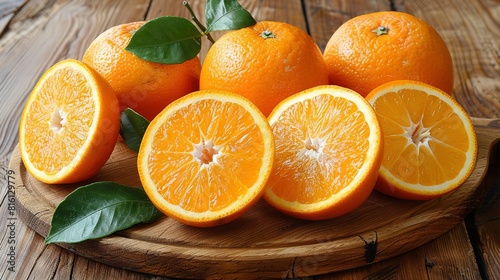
(426, 150)
(46, 122)
(208, 168)
(309, 153)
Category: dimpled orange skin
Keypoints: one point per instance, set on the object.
(144, 86)
(411, 50)
(265, 71)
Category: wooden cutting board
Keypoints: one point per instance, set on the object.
(263, 242)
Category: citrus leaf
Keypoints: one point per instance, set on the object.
(132, 128)
(168, 40)
(226, 15)
(98, 210)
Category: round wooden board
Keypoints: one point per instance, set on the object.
(263, 242)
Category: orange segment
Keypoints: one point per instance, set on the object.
(328, 149)
(205, 159)
(69, 125)
(429, 140)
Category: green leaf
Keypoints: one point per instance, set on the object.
(168, 40)
(97, 210)
(226, 15)
(132, 128)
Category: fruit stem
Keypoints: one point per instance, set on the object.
(195, 19)
(381, 30)
(266, 34)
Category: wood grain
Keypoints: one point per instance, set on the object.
(8, 9)
(487, 223)
(423, 263)
(262, 241)
(477, 82)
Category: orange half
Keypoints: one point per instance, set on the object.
(430, 144)
(205, 159)
(328, 149)
(69, 125)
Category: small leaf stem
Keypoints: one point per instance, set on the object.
(266, 34)
(198, 23)
(381, 30)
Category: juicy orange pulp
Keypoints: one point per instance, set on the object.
(328, 149)
(205, 159)
(69, 125)
(429, 140)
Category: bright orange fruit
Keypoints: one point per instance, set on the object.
(430, 145)
(372, 49)
(69, 125)
(205, 159)
(328, 150)
(266, 63)
(144, 86)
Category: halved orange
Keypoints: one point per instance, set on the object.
(328, 150)
(430, 144)
(205, 159)
(69, 125)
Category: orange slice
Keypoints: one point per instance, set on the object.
(430, 144)
(328, 149)
(205, 159)
(69, 125)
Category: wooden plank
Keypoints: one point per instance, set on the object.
(283, 10)
(324, 17)
(8, 9)
(451, 262)
(62, 264)
(424, 263)
(487, 224)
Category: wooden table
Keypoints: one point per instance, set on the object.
(36, 34)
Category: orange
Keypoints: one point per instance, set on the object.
(147, 87)
(69, 125)
(372, 49)
(430, 145)
(266, 63)
(328, 150)
(205, 159)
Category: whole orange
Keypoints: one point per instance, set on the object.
(144, 86)
(372, 49)
(266, 63)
